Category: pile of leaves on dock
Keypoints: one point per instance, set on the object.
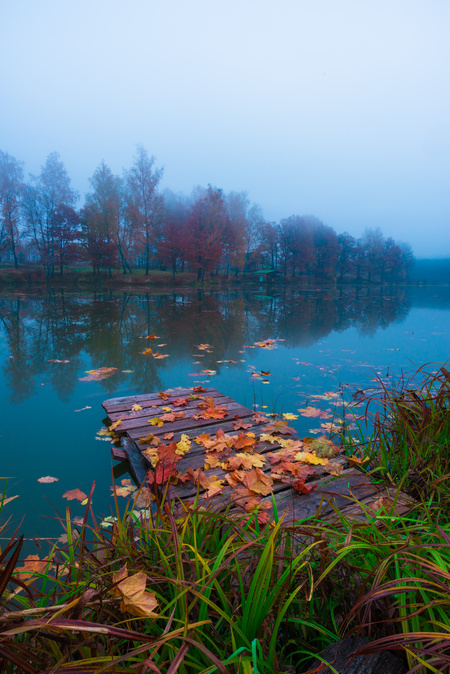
(233, 466)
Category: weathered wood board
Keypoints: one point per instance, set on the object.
(332, 495)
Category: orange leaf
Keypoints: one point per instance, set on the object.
(245, 442)
(258, 482)
(198, 389)
(313, 459)
(180, 402)
(114, 425)
(147, 352)
(168, 436)
(164, 396)
(314, 412)
(131, 589)
(212, 485)
(32, 564)
(200, 439)
(75, 494)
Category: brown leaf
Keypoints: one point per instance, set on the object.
(212, 485)
(131, 589)
(259, 418)
(163, 395)
(258, 482)
(75, 494)
(300, 486)
(168, 436)
(240, 424)
(32, 564)
(246, 442)
(180, 402)
(279, 426)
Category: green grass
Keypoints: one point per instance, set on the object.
(234, 596)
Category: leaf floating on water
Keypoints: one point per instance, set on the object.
(152, 337)
(75, 495)
(48, 479)
(33, 565)
(290, 417)
(101, 373)
(209, 372)
(88, 407)
(147, 352)
(57, 360)
(158, 355)
(315, 412)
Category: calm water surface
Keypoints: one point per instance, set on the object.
(325, 340)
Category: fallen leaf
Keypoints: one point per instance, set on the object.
(209, 372)
(246, 442)
(163, 395)
(101, 373)
(74, 494)
(136, 407)
(289, 416)
(32, 565)
(147, 352)
(258, 482)
(160, 355)
(132, 590)
(180, 402)
(152, 337)
(168, 436)
(310, 458)
(150, 440)
(88, 407)
(211, 484)
(57, 360)
(314, 412)
(156, 421)
(334, 468)
(114, 425)
(300, 486)
(240, 424)
(199, 389)
(184, 445)
(356, 460)
(245, 461)
(48, 479)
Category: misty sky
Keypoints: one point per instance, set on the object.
(336, 108)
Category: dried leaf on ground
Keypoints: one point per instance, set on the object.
(136, 407)
(132, 590)
(115, 425)
(334, 468)
(212, 485)
(163, 395)
(240, 424)
(280, 427)
(247, 441)
(156, 421)
(245, 461)
(150, 440)
(168, 436)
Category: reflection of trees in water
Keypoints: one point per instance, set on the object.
(109, 328)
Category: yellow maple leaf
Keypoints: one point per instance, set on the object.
(131, 589)
(166, 409)
(290, 416)
(114, 425)
(156, 421)
(184, 445)
(147, 352)
(311, 458)
(152, 455)
(266, 437)
(136, 407)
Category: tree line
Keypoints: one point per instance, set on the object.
(127, 222)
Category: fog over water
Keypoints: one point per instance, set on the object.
(337, 109)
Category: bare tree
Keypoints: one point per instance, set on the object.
(11, 189)
(44, 195)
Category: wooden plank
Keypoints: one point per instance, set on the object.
(118, 454)
(141, 427)
(156, 409)
(126, 402)
(136, 460)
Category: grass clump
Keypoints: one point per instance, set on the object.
(202, 590)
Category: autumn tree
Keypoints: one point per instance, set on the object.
(11, 189)
(175, 236)
(102, 214)
(67, 236)
(208, 224)
(42, 198)
(144, 201)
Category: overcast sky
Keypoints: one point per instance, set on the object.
(336, 108)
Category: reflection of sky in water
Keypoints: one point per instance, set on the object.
(42, 434)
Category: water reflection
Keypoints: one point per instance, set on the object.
(106, 330)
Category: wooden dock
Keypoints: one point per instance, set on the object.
(166, 437)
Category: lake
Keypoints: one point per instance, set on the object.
(324, 341)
